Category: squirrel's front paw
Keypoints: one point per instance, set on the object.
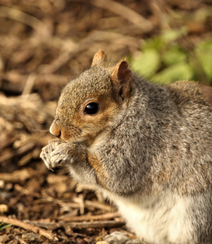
(58, 153)
(46, 153)
(62, 154)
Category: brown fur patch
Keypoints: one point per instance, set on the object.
(96, 164)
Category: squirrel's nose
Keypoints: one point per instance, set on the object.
(55, 129)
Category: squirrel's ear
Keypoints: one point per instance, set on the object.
(99, 57)
(207, 94)
(121, 78)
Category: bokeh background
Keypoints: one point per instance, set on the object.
(44, 44)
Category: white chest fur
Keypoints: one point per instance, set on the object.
(158, 219)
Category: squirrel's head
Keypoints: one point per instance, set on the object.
(91, 103)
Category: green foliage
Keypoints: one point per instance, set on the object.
(147, 62)
(178, 71)
(164, 60)
(204, 54)
(2, 226)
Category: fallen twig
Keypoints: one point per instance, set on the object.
(26, 191)
(20, 240)
(80, 225)
(30, 227)
(8, 142)
(98, 205)
(18, 175)
(20, 151)
(88, 204)
(29, 84)
(17, 81)
(127, 13)
(106, 216)
(97, 224)
(26, 19)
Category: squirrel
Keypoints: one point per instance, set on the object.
(146, 147)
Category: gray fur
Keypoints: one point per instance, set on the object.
(159, 144)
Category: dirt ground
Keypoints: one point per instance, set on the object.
(43, 44)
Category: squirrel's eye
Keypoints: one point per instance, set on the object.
(91, 108)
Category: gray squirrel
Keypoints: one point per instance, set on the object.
(146, 147)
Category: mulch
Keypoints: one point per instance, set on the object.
(43, 44)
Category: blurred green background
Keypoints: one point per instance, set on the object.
(172, 56)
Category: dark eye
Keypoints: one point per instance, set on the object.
(91, 108)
